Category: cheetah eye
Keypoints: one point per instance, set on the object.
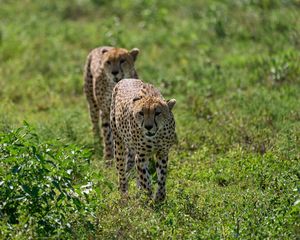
(141, 113)
(122, 61)
(108, 62)
(157, 113)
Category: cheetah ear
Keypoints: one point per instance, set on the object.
(171, 103)
(104, 50)
(134, 53)
(137, 98)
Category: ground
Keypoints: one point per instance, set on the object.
(232, 66)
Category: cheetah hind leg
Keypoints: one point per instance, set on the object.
(143, 174)
(130, 160)
(130, 163)
(138, 181)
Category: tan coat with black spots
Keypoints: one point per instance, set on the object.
(105, 66)
(143, 125)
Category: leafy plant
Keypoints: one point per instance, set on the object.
(38, 182)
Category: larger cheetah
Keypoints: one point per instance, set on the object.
(142, 125)
(105, 66)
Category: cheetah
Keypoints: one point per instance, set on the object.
(143, 125)
(105, 66)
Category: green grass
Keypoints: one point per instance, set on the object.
(234, 68)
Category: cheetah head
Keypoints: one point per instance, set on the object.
(118, 63)
(151, 114)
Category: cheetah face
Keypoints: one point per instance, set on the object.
(151, 114)
(118, 63)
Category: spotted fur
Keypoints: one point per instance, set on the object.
(105, 66)
(143, 125)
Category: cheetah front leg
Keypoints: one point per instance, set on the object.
(143, 174)
(94, 115)
(120, 155)
(107, 136)
(161, 171)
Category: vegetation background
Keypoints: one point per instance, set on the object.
(234, 68)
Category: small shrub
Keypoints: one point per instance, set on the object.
(38, 190)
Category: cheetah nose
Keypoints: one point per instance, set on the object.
(115, 72)
(148, 127)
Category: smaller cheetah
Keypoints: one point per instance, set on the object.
(143, 125)
(105, 66)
